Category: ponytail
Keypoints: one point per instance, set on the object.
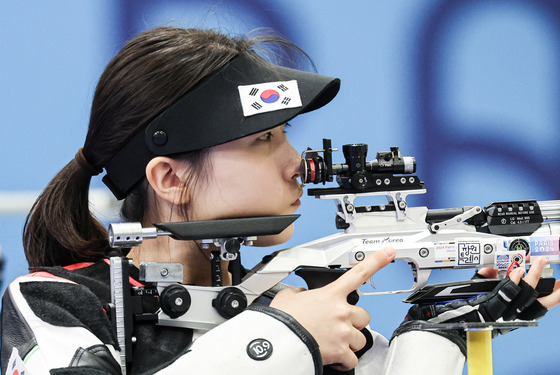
(60, 229)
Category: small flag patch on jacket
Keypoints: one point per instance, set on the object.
(268, 97)
(15, 364)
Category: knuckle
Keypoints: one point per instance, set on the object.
(340, 352)
(344, 313)
(340, 331)
(345, 332)
(352, 361)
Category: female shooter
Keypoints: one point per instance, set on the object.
(176, 125)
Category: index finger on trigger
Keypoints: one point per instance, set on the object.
(361, 272)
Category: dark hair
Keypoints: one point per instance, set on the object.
(149, 74)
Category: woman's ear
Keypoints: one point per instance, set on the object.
(166, 177)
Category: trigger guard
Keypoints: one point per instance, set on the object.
(370, 282)
(420, 280)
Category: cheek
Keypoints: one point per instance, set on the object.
(247, 181)
(236, 183)
(232, 190)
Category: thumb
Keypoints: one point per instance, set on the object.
(361, 272)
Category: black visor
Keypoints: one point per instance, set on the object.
(247, 96)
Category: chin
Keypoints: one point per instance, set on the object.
(276, 239)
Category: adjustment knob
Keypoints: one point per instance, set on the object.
(232, 245)
(360, 180)
(230, 302)
(175, 300)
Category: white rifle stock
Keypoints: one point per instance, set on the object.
(500, 236)
(447, 244)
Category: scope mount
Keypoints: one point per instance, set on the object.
(384, 183)
(347, 210)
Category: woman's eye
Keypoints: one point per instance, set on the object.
(266, 136)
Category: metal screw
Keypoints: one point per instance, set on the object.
(424, 252)
(164, 272)
(488, 248)
(178, 301)
(359, 256)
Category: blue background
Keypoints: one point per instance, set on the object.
(470, 88)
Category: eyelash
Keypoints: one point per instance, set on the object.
(288, 125)
(267, 136)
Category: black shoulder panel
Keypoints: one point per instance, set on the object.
(68, 305)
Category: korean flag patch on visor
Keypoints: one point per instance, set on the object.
(267, 97)
(246, 96)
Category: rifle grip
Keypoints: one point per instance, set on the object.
(317, 277)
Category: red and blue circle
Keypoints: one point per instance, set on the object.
(270, 96)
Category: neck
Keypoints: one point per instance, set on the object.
(195, 260)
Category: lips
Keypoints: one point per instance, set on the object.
(297, 202)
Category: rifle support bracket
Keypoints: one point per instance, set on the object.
(436, 227)
(347, 209)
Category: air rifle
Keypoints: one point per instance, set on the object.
(501, 235)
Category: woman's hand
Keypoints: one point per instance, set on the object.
(328, 317)
(532, 278)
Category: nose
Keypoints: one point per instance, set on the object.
(293, 169)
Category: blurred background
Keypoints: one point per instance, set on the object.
(470, 88)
